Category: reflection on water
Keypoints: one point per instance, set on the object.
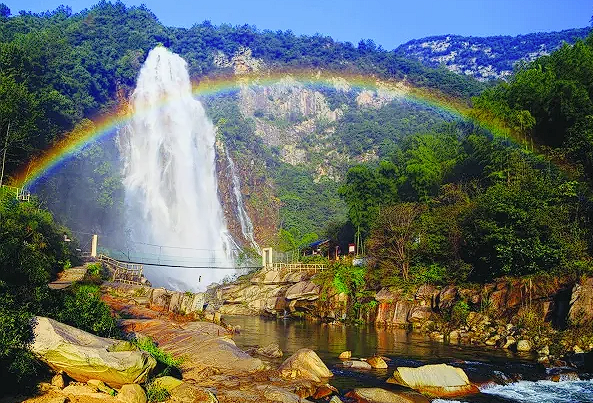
(408, 349)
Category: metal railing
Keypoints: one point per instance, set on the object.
(21, 193)
(129, 273)
(314, 267)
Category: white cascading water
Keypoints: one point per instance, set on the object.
(244, 220)
(169, 176)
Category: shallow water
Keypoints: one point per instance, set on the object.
(410, 349)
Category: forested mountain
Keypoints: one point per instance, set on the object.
(486, 58)
(293, 141)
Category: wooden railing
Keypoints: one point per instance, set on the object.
(129, 273)
(314, 267)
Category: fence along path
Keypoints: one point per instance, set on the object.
(129, 273)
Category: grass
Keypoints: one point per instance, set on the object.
(164, 358)
(156, 393)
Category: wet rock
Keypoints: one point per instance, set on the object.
(271, 351)
(345, 355)
(71, 350)
(305, 364)
(439, 380)
(378, 395)
(324, 391)
(132, 393)
(377, 362)
(355, 364)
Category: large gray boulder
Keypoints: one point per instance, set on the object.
(84, 356)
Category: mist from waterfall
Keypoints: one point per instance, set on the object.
(244, 220)
(173, 212)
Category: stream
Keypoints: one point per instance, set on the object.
(516, 378)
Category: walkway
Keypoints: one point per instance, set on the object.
(67, 277)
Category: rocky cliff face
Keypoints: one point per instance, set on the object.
(487, 58)
(494, 314)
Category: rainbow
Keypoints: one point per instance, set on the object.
(73, 142)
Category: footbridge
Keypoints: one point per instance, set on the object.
(128, 268)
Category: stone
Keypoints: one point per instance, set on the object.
(581, 302)
(436, 380)
(345, 355)
(131, 393)
(545, 351)
(305, 364)
(510, 342)
(303, 290)
(203, 345)
(186, 393)
(324, 391)
(83, 356)
(447, 297)
(420, 314)
(167, 382)
(377, 362)
(355, 364)
(523, 345)
(100, 386)
(58, 381)
(83, 393)
(386, 295)
(378, 395)
(335, 399)
(271, 351)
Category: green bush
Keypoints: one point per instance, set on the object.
(81, 307)
(156, 393)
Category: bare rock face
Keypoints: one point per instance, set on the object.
(83, 356)
(201, 345)
(305, 364)
(581, 302)
(378, 395)
(439, 380)
(303, 290)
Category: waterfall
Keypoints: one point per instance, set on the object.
(173, 212)
(244, 220)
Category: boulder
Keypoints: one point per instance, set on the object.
(447, 297)
(83, 393)
(271, 351)
(437, 380)
(420, 314)
(377, 362)
(305, 364)
(83, 356)
(378, 395)
(132, 393)
(523, 345)
(345, 355)
(386, 295)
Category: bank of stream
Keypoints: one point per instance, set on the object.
(505, 376)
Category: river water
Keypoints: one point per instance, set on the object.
(520, 375)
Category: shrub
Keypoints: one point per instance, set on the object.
(156, 393)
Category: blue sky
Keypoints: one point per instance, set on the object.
(388, 23)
